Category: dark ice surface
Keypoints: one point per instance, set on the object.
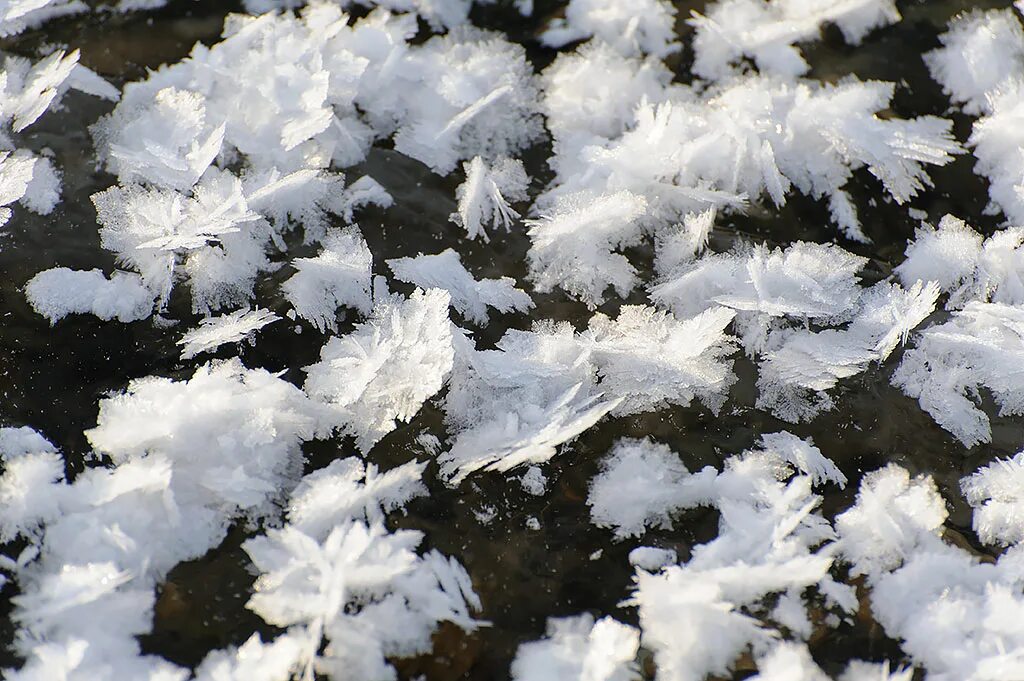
(52, 378)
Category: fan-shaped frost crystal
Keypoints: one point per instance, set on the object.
(385, 370)
(228, 328)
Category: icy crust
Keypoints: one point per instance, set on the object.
(767, 31)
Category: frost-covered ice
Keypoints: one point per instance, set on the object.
(654, 325)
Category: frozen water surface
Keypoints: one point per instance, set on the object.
(812, 508)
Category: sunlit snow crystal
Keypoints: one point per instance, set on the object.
(788, 661)
(256, 419)
(652, 559)
(348, 489)
(980, 52)
(484, 196)
(471, 297)
(765, 287)
(756, 137)
(517, 403)
(996, 492)
(893, 515)
(795, 376)
(19, 15)
(950, 362)
(31, 486)
(966, 267)
(254, 660)
(770, 542)
(165, 142)
(981, 65)
(476, 97)
(579, 649)
(339, 276)
(234, 327)
(595, 90)
(363, 589)
(59, 292)
(641, 484)
(650, 358)
(630, 26)
(957, 618)
(385, 370)
(767, 31)
(573, 246)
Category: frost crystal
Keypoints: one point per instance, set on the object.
(795, 377)
(59, 292)
(387, 367)
(485, 194)
(190, 455)
(227, 328)
(651, 358)
(347, 489)
(339, 276)
(995, 492)
(640, 485)
(753, 137)
(578, 649)
(469, 297)
(893, 516)
(515, 404)
(477, 97)
(966, 267)
(952, 361)
(630, 26)
(770, 541)
(957, 618)
(767, 31)
(573, 246)
(981, 65)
